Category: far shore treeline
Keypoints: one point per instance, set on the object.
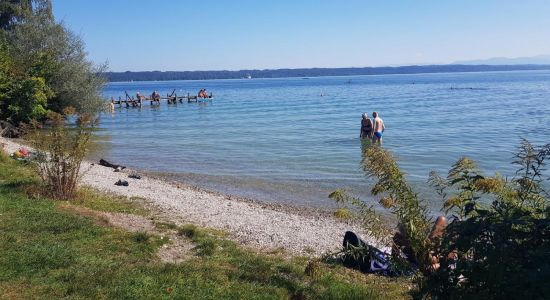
(311, 72)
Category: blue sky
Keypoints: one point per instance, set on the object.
(213, 35)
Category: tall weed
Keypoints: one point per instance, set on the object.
(60, 150)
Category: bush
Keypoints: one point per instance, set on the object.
(497, 244)
(503, 248)
(61, 150)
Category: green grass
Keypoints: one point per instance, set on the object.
(50, 253)
(92, 199)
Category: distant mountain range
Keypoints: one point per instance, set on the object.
(315, 72)
(532, 60)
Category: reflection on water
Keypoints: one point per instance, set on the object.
(294, 140)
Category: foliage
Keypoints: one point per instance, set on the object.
(503, 249)
(43, 65)
(22, 98)
(498, 242)
(363, 213)
(13, 12)
(49, 50)
(396, 196)
(61, 150)
(26, 100)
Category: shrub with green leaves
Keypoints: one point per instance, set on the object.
(61, 149)
(497, 244)
(500, 232)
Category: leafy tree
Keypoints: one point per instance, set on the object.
(47, 49)
(44, 65)
(13, 12)
(22, 98)
(28, 100)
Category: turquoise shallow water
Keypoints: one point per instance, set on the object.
(294, 140)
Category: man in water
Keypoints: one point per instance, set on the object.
(378, 128)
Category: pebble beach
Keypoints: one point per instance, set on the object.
(253, 224)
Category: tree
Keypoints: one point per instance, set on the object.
(13, 12)
(44, 64)
(22, 98)
(49, 50)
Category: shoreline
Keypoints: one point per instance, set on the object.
(276, 206)
(259, 225)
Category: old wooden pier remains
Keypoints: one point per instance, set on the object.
(173, 98)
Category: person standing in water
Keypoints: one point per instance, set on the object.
(378, 128)
(366, 127)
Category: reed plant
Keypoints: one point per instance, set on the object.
(397, 196)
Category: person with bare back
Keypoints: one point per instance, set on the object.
(379, 128)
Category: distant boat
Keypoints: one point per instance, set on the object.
(248, 76)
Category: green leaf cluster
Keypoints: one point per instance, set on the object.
(497, 244)
(43, 65)
(500, 232)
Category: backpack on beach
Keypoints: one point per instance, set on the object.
(364, 257)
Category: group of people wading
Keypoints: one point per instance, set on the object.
(372, 129)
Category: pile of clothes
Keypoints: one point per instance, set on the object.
(22, 154)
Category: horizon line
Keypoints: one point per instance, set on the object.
(336, 68)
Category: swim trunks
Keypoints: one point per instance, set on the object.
(378, 134)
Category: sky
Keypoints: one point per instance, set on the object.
(179, 35)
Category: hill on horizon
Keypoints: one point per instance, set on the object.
(528, 60)
(313, 72)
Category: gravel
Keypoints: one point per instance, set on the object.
(250, 223)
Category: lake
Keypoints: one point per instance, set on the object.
(294, 140)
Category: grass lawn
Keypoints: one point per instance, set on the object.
(51, 253)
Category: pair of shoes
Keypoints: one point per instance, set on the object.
(121, 183)
(134, 176)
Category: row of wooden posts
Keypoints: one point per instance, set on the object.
(172, 98)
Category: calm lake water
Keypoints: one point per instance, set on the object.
(295, 140)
